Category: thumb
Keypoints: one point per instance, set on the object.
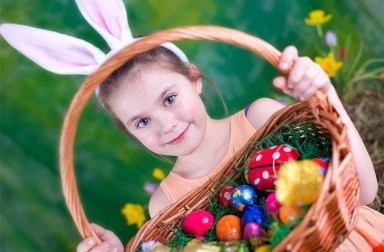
(102, 233)
(280, 83)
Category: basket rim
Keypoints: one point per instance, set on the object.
(86, 91)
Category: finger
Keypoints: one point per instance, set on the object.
(103, 234)
(102, 247)
(288, 57)
(279, 82)
(322, 82)
(308, 93)
(298, 71)
(307, 80)
(86, 245)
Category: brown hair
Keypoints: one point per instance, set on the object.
(160, 56)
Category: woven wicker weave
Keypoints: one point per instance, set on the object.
(328, 221)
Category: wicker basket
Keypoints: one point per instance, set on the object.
(329, 220)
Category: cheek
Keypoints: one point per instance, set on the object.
(148, 139)
(194, 107)
(199, 113)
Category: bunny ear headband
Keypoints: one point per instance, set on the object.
(62, 54)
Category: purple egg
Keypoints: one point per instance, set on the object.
(271, 204)
(253, 232)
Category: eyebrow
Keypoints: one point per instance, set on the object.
(160, 97)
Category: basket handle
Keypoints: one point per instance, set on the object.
(211, 33)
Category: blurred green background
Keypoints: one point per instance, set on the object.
(112, 169)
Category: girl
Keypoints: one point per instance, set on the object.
(155, 97)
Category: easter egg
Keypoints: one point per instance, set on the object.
(323, 164)
(243, 195)
(225, 196)
(228, 228)
(271, 204)
(198, 222)
(263, 248)
(253, 232)
(254, 214)
(299, 182)
(291, 215)
(194, 241)
(265, 164)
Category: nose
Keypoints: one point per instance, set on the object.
(168, 122)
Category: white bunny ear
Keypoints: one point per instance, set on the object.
(109, 19)
(56, 52)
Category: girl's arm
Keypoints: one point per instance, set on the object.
(158, 202)
(364, 166)
(305, 78)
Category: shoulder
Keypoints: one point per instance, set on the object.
(158, 202)
(261, 109)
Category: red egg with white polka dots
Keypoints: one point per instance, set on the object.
(265, 164)
(225, 196)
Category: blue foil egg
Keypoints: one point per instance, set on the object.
(243, 195)
(254, 214)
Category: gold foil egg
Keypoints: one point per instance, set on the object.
(299, 182)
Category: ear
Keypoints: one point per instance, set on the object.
(196, 77)
(53, 51)
(108, 18)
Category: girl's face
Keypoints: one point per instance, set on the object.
(163, 110)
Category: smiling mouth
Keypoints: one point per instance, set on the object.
(180, 137)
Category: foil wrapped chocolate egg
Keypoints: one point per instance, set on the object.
(243, 195)
(263, 248)
(254, 214)
(228, 228)
(198, 223)
(253, 233)
(272, 205)
(265, 164)
(291, 215)
(225, 196)
(299, 182)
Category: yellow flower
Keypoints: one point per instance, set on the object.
(134, 214)
(329, 64)
(317, 17)
(158, 174)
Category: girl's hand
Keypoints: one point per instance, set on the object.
(109, 242)
(305, 77)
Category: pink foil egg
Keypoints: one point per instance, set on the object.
(198, 223)
(272, 205)
(265, 164)
(253, 233)
(225, 196)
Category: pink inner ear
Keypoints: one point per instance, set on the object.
(107, 15)
(53, 51)
(70, 57)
